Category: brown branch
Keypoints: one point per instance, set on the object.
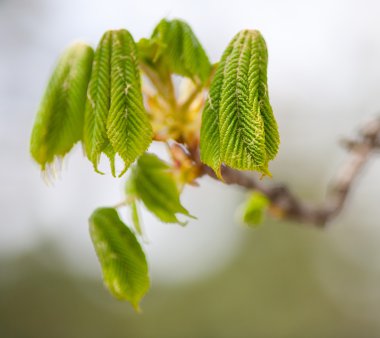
(291, 207)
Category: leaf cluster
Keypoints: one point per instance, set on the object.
(99, 98)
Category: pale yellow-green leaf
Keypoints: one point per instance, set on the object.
(238, 125)
(254, 208)
(59, 122)
(174, 48)
(152, 182)
(124, 267)
(116, 122)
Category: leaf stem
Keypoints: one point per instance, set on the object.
(120, 204)
(163, 86)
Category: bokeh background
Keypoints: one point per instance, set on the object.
(215, 277)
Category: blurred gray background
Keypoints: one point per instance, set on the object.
(213, 278)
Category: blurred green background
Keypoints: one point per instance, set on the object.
(214, 277)
(271, 289)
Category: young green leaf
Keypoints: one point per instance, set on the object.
(238, 126)
(59, 122)
(152, 182)
(125, 270)
(116, 121)
(98, 104)
(174, 47)
(253, 209)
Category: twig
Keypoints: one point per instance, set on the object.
(290, 206)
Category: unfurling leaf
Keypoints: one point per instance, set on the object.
(238, 125)
(173, 47)
(59, 122)
(115, 119)
(153, 183)
(253, 209)
(124, 267)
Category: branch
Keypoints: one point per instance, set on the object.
(291, 207)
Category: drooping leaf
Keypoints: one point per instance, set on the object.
(124, 267)
(98, 104)
(116, 121)
(254, 208)
(173, 47)
(128, 125)
(238, 125)
(59, 122)
(152, 182)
